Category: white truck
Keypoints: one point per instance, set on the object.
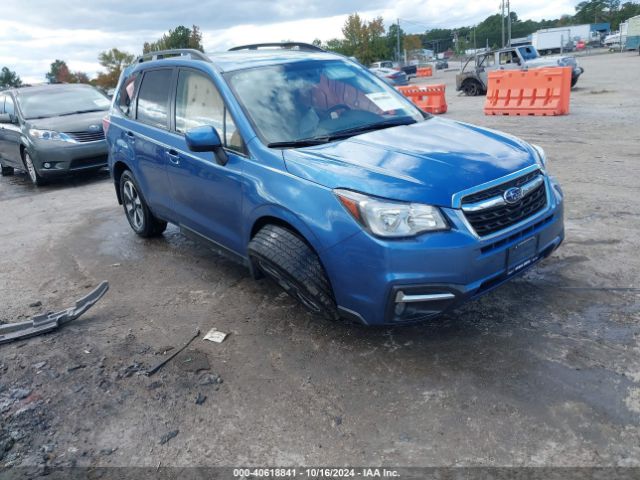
(563, 39)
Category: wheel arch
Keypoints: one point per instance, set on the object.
(116, 172)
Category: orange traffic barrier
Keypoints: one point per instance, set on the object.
(424, 72)
(429, 98)
(539, 91)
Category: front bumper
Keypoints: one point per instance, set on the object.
(68, 158)
(435, 272)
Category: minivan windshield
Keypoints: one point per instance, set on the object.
(54, 102)
(311, 102)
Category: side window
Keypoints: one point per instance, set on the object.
(8, 106)
(153, 98)
(2, 103)
(124, 100)
(199, 103)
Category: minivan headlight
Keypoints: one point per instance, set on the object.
(387, 218)
(49, 135)
(542, 157)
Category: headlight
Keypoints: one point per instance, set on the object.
(542, 157)
(386, 218)
(50, 135)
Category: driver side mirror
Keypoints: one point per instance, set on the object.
(206, 139)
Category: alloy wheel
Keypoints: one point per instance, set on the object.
(133, 205)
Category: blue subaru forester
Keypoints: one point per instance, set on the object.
(310, 170)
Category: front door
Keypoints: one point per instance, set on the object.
(207, 196)
(10, 134)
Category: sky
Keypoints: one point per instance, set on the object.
(33, 33)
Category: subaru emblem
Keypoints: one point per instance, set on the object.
(512, 195)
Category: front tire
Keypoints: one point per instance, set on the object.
(472, 88)
(35, 177)
(140, 218)
(291, 263)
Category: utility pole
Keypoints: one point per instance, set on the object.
(398, 40)
(502, 20)
(508, 24)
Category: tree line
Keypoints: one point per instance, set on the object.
(367, 40)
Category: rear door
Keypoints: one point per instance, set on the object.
(207, 196)
(148, 136)
(10, 134)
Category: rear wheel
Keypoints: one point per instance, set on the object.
(6, 171)
(35, 177)
(291, 263)
(472, 88)
(140, 218)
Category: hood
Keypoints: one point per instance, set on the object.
(425, 162)
(553, 61)
(69, 123)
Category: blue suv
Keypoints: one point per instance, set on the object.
(310, 170)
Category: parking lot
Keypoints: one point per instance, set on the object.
(543, 371)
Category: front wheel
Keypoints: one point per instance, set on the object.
(35, 177)
(140, 218)
(291, 263)
(472, 88)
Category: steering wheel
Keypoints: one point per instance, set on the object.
(339, 106)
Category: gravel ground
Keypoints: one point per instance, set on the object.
(543, 371)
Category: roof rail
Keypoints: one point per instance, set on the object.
(176, 52)
(284, 45)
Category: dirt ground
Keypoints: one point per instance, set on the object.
(543, 371)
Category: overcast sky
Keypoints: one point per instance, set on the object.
(33, 33)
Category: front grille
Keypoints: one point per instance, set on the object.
(89, 162)
(87, 136)
(492, 220)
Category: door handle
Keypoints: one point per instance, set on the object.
(173, 156)
(130, 136)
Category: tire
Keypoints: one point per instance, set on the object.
(287, 259)
(140, 218)
(35, 177)
(472, 88)
(6, 171)
(574, 80)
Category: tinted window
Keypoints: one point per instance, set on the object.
(1, 103)
(199, 103)
(124, 101)
(153, 99)
(61, 100)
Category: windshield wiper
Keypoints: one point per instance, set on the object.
(346, 133)
(370, 127)
(82, 111)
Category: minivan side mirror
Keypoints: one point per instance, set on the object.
(6, 118)
(206, 139)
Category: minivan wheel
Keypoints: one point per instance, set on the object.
(35, 177)
(291, 263)
(138, 214)
(6, 171)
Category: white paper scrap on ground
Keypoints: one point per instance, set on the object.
(214, 335)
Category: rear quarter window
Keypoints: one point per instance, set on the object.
(125, 96)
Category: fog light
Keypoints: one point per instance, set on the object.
(47, 165)
(400, 308)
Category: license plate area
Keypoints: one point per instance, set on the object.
(522, 255)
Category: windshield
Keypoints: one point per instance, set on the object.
(312, 99)
(528, 53)
(61, 101)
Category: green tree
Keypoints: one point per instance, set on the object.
(60, 73)
(9, 78)
(180, 37)
(113, 61)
